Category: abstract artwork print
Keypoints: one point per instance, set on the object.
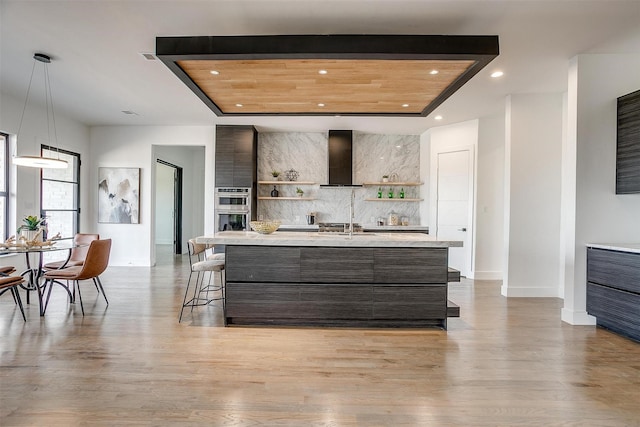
(119, 195)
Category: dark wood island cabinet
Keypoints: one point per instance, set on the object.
(309, 280)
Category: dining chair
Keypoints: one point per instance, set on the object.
(200, 265)
(10, 283)
(76, 257)
(6, 270)
(78, 254)
(95, 263)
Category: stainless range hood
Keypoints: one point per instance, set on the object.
(340, 159)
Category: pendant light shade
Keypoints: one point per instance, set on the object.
(40, 162)
(35, 161)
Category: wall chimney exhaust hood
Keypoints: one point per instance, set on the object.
(320, 75)
(340, 159)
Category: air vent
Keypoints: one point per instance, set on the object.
(149, 56)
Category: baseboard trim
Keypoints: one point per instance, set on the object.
(487, 275)
(577, 317)
(529, 292)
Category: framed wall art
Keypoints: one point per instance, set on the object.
(119, 195)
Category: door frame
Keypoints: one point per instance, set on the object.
(472, 197)
(177, 205)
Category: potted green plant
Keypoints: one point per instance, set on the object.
(31, 227)
(385, 178)
(299, 192)
(275, 174)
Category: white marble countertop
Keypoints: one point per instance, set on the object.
(292, 238)
(396, 227)
(368, 227)
(623, 247)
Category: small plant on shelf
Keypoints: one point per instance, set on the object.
(275, 173)
(299, 192)
(385, 178)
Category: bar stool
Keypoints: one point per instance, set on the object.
(202, 287)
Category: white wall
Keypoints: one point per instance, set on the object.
(425, 176)
(533, 152)
(71, 136)
(132, 146)
(595, 82)
(490, 198)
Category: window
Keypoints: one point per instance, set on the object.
(4, 186)
(60, 194)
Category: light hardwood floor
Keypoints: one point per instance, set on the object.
(504, 362)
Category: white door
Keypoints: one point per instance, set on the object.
(454, 206)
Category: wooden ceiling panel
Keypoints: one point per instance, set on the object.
(365, 75)
(350, 86)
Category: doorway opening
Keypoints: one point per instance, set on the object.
(169, 205)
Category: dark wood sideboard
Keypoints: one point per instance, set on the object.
(613, 290)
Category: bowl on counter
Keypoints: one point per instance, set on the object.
(264, 227)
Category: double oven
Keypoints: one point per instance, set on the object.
(232, 208)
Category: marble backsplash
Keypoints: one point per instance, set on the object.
(307, 153)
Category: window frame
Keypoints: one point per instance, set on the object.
(76, 225)
(6, 194)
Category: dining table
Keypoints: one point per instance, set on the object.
(35, 268)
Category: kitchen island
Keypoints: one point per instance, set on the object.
(331, 279)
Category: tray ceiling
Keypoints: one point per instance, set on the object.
(395, 75)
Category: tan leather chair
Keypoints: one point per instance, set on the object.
(7, 270)
(200, 265)
(77, 254)
(10, 283)
(94, 265)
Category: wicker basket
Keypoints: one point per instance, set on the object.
(264, 227)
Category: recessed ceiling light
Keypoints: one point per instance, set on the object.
(320, 104)
(322, 71)
(238, 105)
(214, 72)
(438, 117)
(433, 72)
(496, 74)
(405, 105)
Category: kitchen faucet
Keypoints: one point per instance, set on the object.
(351, 211)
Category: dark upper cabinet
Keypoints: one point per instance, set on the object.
(236, 153)
(628, 144)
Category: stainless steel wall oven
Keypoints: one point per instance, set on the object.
(232, 208)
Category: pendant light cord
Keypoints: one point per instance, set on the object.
(53, 114)
(24, 108)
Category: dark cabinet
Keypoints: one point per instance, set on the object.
(628, 144)
(330, 286)
(236, 153)
(613, 290)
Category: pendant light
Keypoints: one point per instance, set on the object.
(35, 161)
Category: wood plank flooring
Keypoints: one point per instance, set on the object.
(504, 362)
